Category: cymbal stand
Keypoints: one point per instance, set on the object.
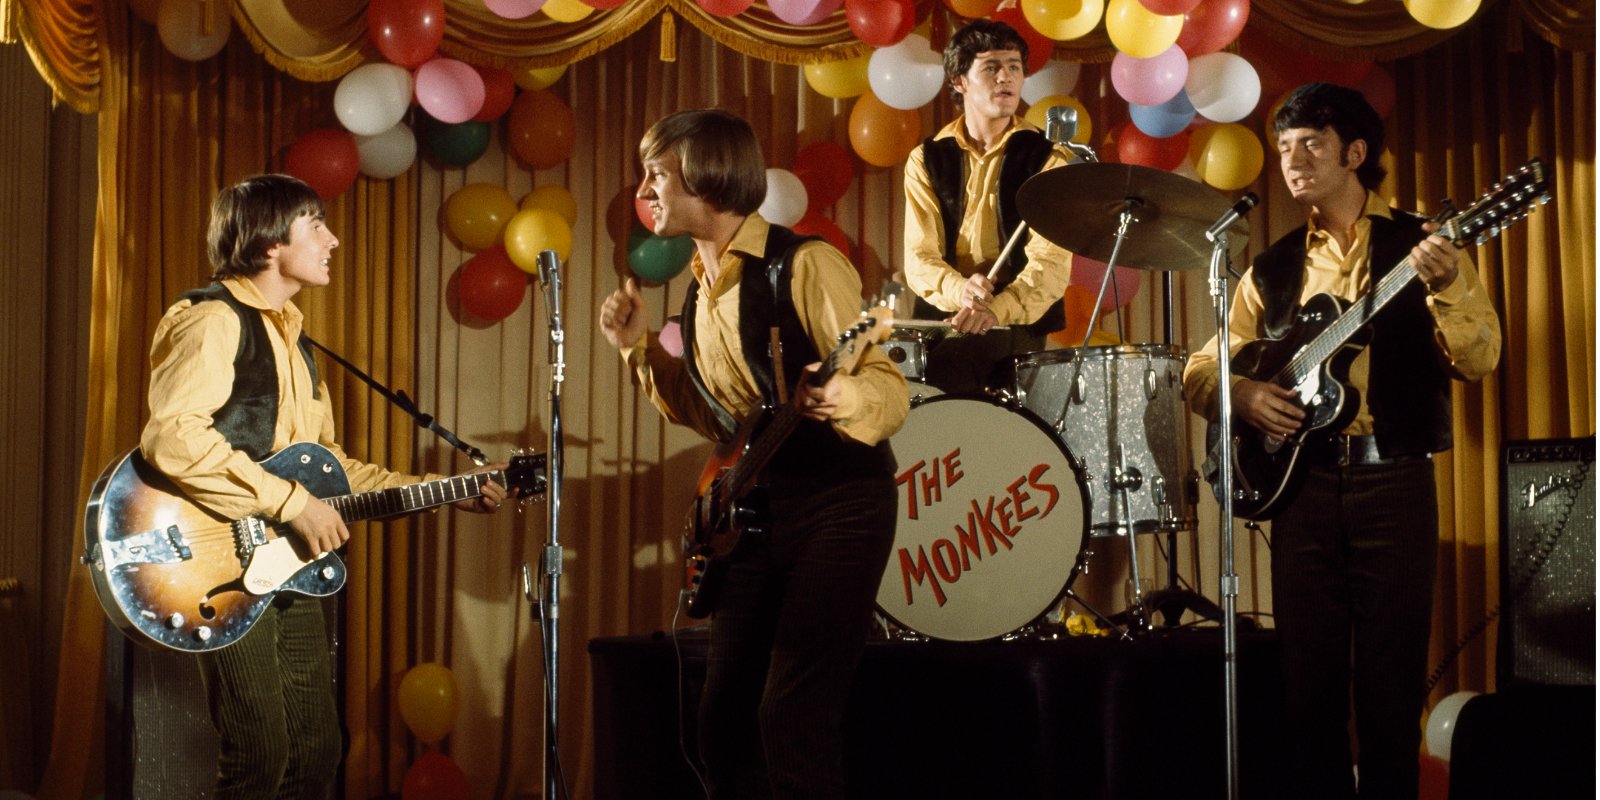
(1126, 479)
(1129, 205)
(1229, 578)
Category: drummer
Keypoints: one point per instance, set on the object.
(961, 188)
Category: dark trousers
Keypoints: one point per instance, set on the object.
(790, 626)
(1353, 565)
(272, 703)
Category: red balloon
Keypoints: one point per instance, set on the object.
(1040, 46)
(814, 224)
(542, 128)
(1168, 8)
(880, 23)
(1378, 87)
(407, 32)
(491, 286)
(434, 776)
(1284, 68)
(499, 89)
(827, 170)
(724, 8)
(1137, 147)
(641, 209)
(1212, 25)
(326, 159)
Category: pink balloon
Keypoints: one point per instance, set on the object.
(1087, 273)
(514, 9)
(671, 338)
(804, 12)
(1212, 25)
(1150, 81)
(449, 90)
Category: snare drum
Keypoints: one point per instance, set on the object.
(991, 521)
(908, 346)
(1118, 405)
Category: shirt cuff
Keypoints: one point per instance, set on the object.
(1007, 309)
(1452, 294)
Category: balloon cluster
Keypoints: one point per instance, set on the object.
(428, 703)
(507, 238)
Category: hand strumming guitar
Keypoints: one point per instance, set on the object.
(1268, 407)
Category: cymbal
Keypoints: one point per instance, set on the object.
(1079, 207)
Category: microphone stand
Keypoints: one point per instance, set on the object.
(1229, 579)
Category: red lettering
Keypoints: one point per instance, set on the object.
(948, 566)
(1005, 518)
(981, 517)
(969, 545)
(908, 479)
(920, 571)
(1055, 494)
(1019, 498)
(952, 467)
(931, 492)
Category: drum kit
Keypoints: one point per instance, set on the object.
(1003, 495)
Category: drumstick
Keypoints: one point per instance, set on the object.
(1005, 252)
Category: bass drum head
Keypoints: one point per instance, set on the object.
(991, 519)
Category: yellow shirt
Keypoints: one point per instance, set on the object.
(191, 376)
(1466, 328)
(978, 242)
(827, 297)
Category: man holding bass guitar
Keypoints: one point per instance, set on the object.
(792, 615)
(1354, 538)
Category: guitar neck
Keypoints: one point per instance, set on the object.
(412, 498)
(1337, 335)
(743, 475)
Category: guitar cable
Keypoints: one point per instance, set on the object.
(677, 653)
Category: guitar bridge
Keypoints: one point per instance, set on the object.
(248, 534)
(160, 546)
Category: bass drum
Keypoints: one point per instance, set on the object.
(991, 520)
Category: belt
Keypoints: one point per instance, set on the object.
(1356, 451)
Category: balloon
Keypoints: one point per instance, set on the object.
(1087, 273)
(428, 697)
(803, 12)
(826, 171)
(657, 259)
(149, 11)
(1378, 87)
(972, 9)
(387, 154)
(1136, 147)
(1442, 14)
(371, 98)
(839, 79)
(542, 129)
(433, 776)
(555, 199)
(1433, 778)
(1139, 33)
(326, 159)
(1056, 78)
(567, 10)
(1078, 302)
(407, 32)
(539, 77)
(814, 224)
(449, 90)
(1036, 115)
(534, 230)
(786, 199)
(671, 338)
(724, 8)
(189, 32)
(1223, 87)
(499, 88)
(1040, 46)
(641, 209)
(1060, 21)
(453, 145)
(1169, 7)
(1226, 155)
(880, 23)
(1149, 81)
(1441, 726)
(1165, 119)
(908, 75)
(476, 214)
(1212, 25)
(514, 9)
(881, 135)
(1283, 68)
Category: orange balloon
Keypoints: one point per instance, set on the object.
(541, 129)
(882, 135)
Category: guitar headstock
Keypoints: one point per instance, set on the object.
(526, 473)
(1500, 207)
(871, 328)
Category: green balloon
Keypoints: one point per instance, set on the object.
(453, 145)
(658, 259)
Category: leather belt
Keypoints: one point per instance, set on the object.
(1356, 451)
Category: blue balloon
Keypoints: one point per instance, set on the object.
(1165, 119)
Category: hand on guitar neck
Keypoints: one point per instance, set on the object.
(819, 402)
(322, 530)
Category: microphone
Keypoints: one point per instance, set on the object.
(549, 266)
(1233, 215)
(1060, 125)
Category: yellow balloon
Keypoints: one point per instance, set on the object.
(1137, 31)
(1063, 20)
(567, 10)
(1442, 14)
(476, 214)
(536, 78)
(534, 230)
(554, 199)
(1227, 156)
(428, 701)
(1037, 111)
(839, 79)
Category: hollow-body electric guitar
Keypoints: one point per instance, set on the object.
(171, 573)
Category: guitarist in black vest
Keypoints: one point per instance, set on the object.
(961, 187)
(231, 383)
(1353, 549)
(792, 614)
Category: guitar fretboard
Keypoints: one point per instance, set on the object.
(415, 497)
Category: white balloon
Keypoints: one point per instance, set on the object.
(387, 154)
(1442, 723)
(179, 24)
(786, 200)
(1222, 87)
(906, 75)
(1054, 78)
(372, 97)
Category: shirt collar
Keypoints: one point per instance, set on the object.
(957, 129)
(1375, 207)
(749, 241)
(244, 290)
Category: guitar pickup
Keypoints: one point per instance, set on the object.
(160, 546)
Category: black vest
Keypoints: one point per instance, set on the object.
(815, 454)
(1025, 154)
(247, 420)
(1408, 388)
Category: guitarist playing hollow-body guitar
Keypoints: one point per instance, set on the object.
(1355, 531)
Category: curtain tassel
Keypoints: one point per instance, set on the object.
(669, 37)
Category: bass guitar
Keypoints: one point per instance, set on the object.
(1313, 358)
(171, 573)
(725, 510)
